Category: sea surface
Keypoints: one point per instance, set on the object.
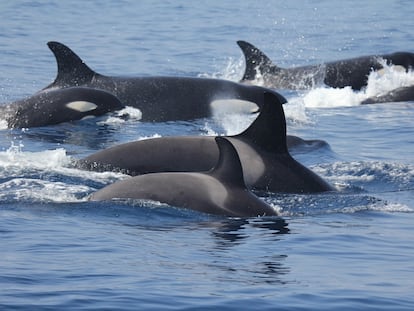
(348, 250)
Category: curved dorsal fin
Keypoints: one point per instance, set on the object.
(72, 71)
(268, 131)
(255, 60)
(228, 168)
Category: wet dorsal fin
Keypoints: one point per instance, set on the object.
(228, 168)
(255, 60)
(72, 71)
(268, 131)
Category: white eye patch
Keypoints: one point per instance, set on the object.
(81, 106)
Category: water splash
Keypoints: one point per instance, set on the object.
(331, 97)
(4, 124)
(15, 159)
(38, 190)
(379, 83)
(387, 79)
(232, 70)
(121, 116)
(46, 176)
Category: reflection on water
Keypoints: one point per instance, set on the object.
(232, 230)
(236, 254)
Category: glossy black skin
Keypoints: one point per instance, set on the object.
(220, 191)
(50, 107)
(159, 98)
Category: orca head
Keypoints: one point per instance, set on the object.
(53, 106)
(90, 101)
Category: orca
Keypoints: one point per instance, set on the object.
(159, 98)
(401, 94)
(58, 105)
(220, 191)
(262, 147)
(352, 72)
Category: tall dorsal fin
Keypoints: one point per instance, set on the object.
(228, 168)
(268, 131)
(255, 60)
(72, 70)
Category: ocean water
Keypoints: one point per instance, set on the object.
(347, 250)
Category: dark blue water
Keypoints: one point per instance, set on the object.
(349, 250)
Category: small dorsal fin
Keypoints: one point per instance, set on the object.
(255, 60)
(72, 71)
(268, 131)
(228, 168)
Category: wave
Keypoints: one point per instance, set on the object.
(50, 177)
(369, 176)
(46, 176)
(334, 203)
(362, 186)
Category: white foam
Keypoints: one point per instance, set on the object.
(21, 168)
(111, 120)
(332, 97)
(4, 124)
(379, 83)
(43, 191)
(14, 157)
(131, 112)
(120, 116)
(387, 79)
